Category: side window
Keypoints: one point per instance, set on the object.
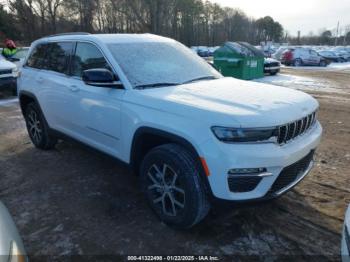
(87, 56)
(38, 58)
(58, 57)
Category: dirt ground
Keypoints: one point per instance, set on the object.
(74, 201)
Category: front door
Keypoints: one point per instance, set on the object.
(96, 111)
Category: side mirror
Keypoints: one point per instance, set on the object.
(101, 77)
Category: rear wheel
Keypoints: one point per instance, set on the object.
(323, 63)
(172, 183)
(38, 129)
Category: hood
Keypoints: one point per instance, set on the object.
(232, 102)
(268, 60)
(5, 65)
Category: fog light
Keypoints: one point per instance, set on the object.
(249, 171)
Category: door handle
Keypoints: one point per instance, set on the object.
(40, 79)
(74, 88)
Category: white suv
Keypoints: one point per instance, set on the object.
(191, 134)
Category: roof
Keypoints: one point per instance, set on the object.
(109, 38)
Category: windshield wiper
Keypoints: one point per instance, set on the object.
(155, 85)
(200, 78)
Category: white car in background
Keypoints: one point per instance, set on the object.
(8, 75)
(277, 55)
(19, 57)
(345, 243)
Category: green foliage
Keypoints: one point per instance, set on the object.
(268, 29)
(193, 22)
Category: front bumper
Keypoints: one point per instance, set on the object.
(8, 82)
(221, 157)
(272, 69)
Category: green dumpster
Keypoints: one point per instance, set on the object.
(240, 60)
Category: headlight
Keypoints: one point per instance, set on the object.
(16, 254)
(234, 135)
(15, 71)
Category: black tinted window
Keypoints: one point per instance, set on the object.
(87, 56)
(38, 58)
(58, 57)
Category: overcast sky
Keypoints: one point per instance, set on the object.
(294, 15)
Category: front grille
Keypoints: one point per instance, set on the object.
(5, 72)
(274, 64)
(243, 184)
(292, 130)
(291, 173)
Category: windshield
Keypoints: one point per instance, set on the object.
(161, 64)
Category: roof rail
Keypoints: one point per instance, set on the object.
(70, 33)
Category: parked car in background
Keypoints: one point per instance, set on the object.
(271, 66)
(19, 57)
(345, 244)
(202, 51)
(212, 50)
(299, 56)
(331, 56)
(277, 55)
(11, 245)
(8, 75)
(343, 54)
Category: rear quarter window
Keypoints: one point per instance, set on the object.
(38, 57)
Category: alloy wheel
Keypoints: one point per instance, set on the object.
(34, 127)
(166, 193)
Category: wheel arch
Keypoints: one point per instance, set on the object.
(26, 98)
(146, 138)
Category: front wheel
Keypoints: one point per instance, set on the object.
(172, 182)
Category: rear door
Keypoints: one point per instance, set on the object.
(32, 78)
(305, 56)
(55, 81)
(95, 111)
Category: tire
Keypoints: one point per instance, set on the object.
(273, 73)
(179, 198)
(323, 63)
(298, 62)
(38, 129)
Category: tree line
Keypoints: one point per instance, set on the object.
(325, 37)
(193, 22)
